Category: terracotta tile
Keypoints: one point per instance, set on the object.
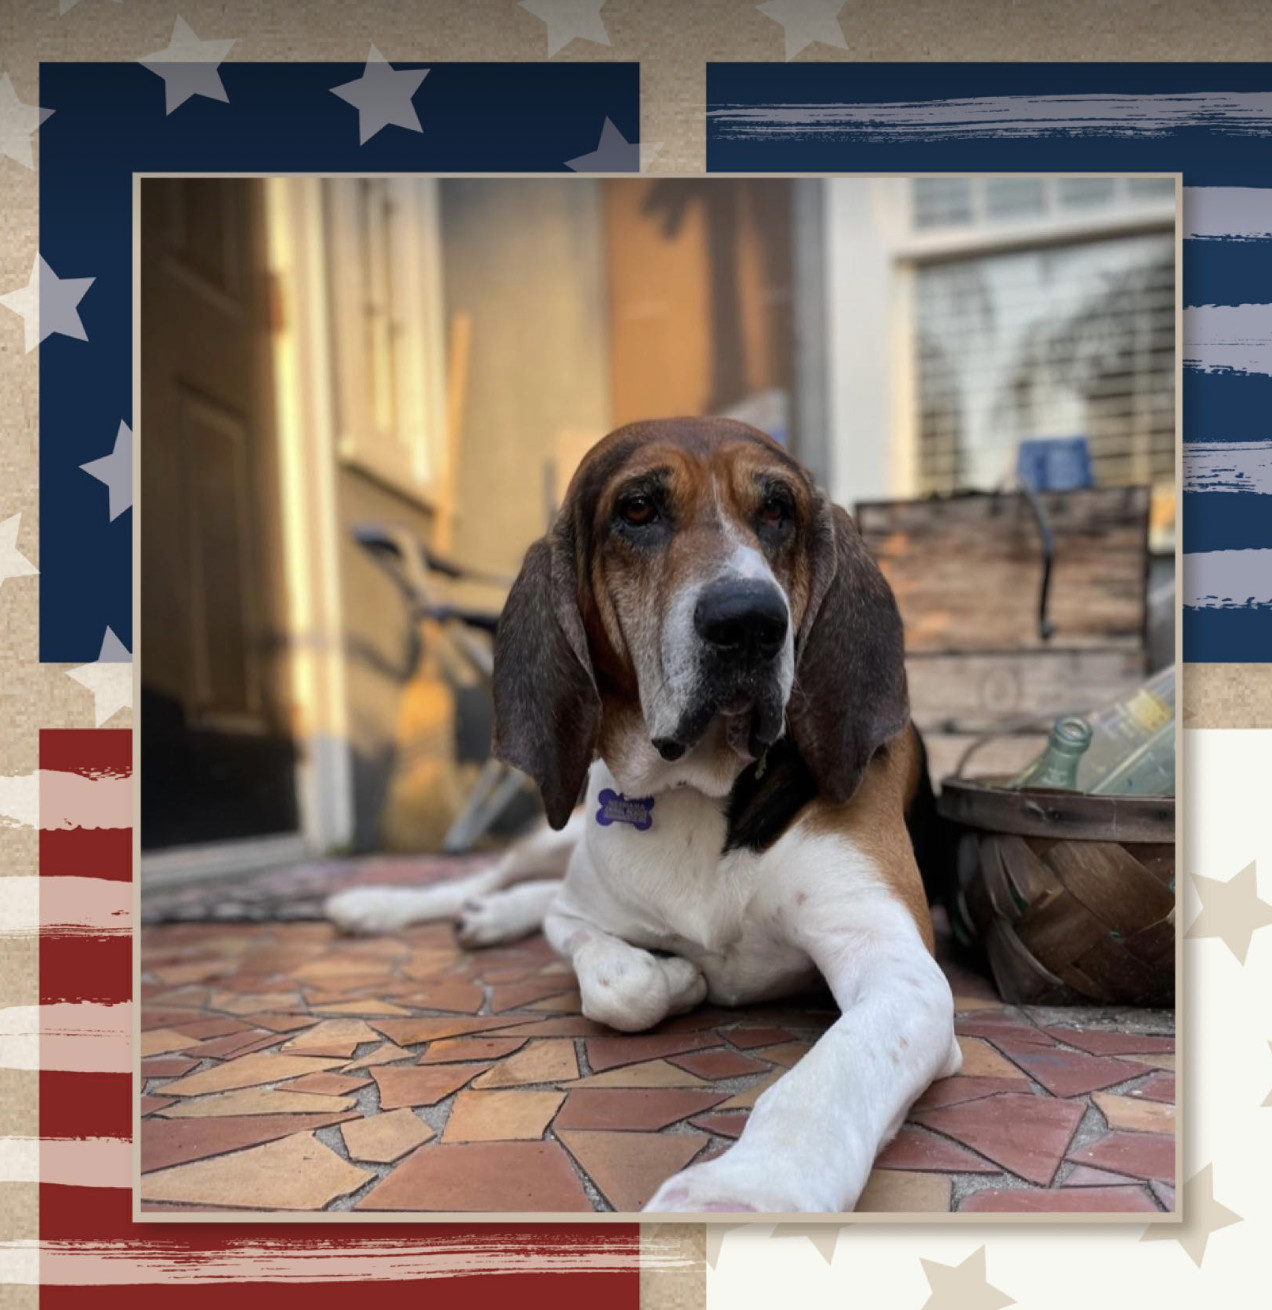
(448, 993)
(967, 1004)
(981, 1060)
(171, 1067)
(282, 1023)
(788, 1054)
(384, 1138)
(324, 1084)
(912, 1149)
(724, 1125)
(165, 1142)
(745, 1100)
(568, 1003)
(610, 1052)
(1097, 1042)
(508, 996)
(574, 1025)
(248, 1071)
(411, 1085)
(504, 973)
(205, 1028)
(1135, 1114)
(455, 1049)
(232, 1003)
(1001, 1025)
(482, 1176)
(1070, 1073)
(954, 1091)
(898, 1191)
(195, 971)
(332, 1037)
(632, 1110)
(174, 1017)
(699, 1020)
(500, 1116)
(1166, 1061)
(1027, 1135)
(372, 1007)
(543, 1061)
(257, 1100)
(1142, 1155)
(161, 1041)
(749, 1038)
(234, 1044)
(1164, 1192)
(718, 1064)
(628, 1168)
(1160, 1087)
(1084, 1176)
(650, 1073)
(385, 1053)
(410, 1032)
(149, 1104)
(295, 1173)
(1081, 1200)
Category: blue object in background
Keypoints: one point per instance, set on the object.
(1055, 464)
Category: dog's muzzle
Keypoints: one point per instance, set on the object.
(742, 625)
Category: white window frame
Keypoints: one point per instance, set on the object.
(408, 455)
(873, 254)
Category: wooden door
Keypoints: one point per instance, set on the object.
(218, 761)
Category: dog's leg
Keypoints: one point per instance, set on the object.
(541, 855)
(504, 916)
(622, 985)
(812, 1138)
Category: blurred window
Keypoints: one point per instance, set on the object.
(1056, 340)
(942, 201)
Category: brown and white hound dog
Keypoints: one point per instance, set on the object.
(703, 641)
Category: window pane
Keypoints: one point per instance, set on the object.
(1151, 188)
(1084, 192)
(942, 201)
(1014, 197)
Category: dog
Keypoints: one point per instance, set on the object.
(703, 642)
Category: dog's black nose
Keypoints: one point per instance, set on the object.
(743, 617)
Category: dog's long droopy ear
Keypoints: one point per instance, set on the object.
(547, 709)
(850, 689)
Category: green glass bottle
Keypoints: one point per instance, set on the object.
(1057, 766)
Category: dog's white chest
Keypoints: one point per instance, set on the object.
(652, 871)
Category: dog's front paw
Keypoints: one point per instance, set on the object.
(367, 910)
(719, 1186)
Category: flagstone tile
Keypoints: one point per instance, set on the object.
(447, 993)
(724, 1125)
(542, 1061)
(1142, 1155)
(173, 1018)
(718, 1064)
(626, 1110)
(412, 1085)
(257, 1100)
(385, 1053)
(1135, 1114)
(250, 1002)
(150, 1104)
(1027, 1135)
(166, 1142)
(1098, 1042)
(1073, 1200)
(202, 1029)
(956, 1090)
(1160, 1087)
(410, 1032)
(508, 996)
(281, 1023)
(294, 1173)
(324, 1084)
(650, 1073)
(901, 1191)
(567, 1003)
(161, 1041)
(787, 1054)
(383, 1138)
(233, 1045)
(1165, 1061)
(482, 1176)
(628, 1168)
(457, 1049)
(1164, 1192)
(981, 1060)
(915, 1150)
(569, 1026)
(749, 1038)
(745, 1100)
(1071, 1073)
(500, 1116)
(967, 1004)
(1083, 1175)
(169, 1067)
(248, 1071)
(332, 1037)
(609, 1052)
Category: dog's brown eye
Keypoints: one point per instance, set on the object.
(774, 509)
(637, 510)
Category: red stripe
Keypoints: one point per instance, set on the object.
(89, 751)
(85, 1104)
(86, 853)
(80, 968)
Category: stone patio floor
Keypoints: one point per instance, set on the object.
(285, 1067)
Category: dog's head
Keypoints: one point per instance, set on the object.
(696, 597)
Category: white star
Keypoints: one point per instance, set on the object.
(13, 564)
(613, 154)
(188, 67)
(48, 304)
(567, 19)
(115, 470)
(18, 123)
(109, 678)
(382, 96)
(806, 21)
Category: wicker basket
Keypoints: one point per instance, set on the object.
(1072, 897)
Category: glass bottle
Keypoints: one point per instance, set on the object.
(1057, 766)
(1119, 730)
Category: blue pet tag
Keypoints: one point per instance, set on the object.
(617, 808)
